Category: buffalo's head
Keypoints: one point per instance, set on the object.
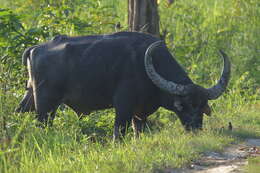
(189, 101)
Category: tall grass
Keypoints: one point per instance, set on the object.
(195, 31)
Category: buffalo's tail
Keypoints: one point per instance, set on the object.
(26, 54)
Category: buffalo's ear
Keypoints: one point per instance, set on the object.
(177, 104)
(207, 110)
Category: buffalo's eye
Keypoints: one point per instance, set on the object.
(178, 105)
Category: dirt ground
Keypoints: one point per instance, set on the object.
(231, 160)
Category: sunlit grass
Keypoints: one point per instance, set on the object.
(64, 147)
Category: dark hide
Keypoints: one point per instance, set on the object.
(99, 72)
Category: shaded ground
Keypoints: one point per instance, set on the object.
(231, 160)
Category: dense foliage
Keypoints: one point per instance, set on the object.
(32, 22)
(196, 30)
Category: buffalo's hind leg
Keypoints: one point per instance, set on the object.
(47, 100)
(27, 103)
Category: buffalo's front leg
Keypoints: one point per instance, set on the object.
(124, 106)
(123, 118)
(138, 125)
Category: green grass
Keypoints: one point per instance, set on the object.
(53, 152)
(253, 165)
(196, 30)
(71, 146)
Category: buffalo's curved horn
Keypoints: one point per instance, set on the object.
(217, 90)
(159, 81)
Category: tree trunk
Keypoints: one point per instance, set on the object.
(143, 16)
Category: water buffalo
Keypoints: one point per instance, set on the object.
(129, 71)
